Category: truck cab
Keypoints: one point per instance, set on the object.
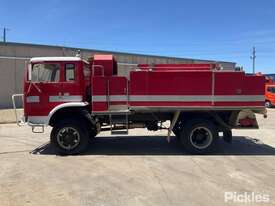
(52, 83)
(270, 95)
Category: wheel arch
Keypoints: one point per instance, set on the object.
(220, 119)
(66, 110)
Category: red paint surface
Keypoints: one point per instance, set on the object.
(164, 79)
(48, 89)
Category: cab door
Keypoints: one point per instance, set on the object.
(43, 88)
(71, 84)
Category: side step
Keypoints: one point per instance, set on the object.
(119, 132)
(119, 120)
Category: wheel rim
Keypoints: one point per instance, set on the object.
(267, 104)
(201, 137)
(68, 138)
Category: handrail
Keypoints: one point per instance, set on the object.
(15, 109)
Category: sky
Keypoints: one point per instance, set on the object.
(224, 30)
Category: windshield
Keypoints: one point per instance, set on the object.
(48, 72)
(271, 89)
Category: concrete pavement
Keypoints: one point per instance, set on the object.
(139, 169)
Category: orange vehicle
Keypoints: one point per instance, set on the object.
(270, 95)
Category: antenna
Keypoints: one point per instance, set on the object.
(78, 53)
(253, 57)
(5, 34)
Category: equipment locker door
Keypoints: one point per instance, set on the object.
(109, 93)
(118, 93)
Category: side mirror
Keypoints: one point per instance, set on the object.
(29, 72)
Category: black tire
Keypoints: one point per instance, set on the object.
(268, 104)
(200, 136)
(70, 137)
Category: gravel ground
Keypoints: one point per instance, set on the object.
(139, 169)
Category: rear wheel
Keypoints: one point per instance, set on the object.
(70, 137)
(200, 137)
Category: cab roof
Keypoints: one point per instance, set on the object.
(44, 59)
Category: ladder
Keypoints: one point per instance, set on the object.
(119, 124)
(118, 118)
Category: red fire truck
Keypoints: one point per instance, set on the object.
(269, 92)
(270, 95)
(80, 98)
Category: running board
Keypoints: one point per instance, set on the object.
(119, 132)
(113, 112)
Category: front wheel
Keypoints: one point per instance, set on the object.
(268, 104)
(200, 137)
(70, 137)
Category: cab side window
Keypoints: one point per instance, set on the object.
(69, 72)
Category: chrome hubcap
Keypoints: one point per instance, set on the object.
(201, 137)
(68, 138)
